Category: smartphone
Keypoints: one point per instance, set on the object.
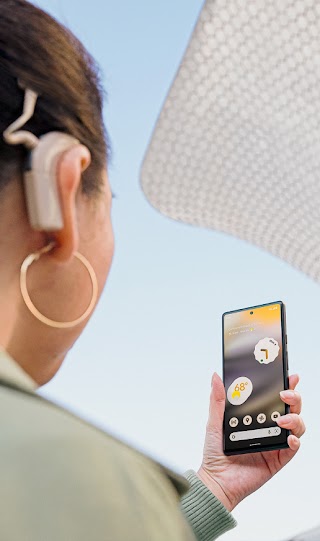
(255, 370)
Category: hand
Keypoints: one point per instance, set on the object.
(232, 478)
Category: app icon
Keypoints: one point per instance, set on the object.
(261, 418)
(275, 415)
(239, 391)
(266, 350)
(234, 422)
(247, 420)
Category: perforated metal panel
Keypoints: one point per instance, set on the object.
(311, 535)
(237, 144)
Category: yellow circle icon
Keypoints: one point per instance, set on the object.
(239, 391)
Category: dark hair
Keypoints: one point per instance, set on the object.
(48, 58)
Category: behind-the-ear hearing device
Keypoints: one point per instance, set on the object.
(40, 179)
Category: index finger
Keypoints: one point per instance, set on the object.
(291, 396)
(293, 381)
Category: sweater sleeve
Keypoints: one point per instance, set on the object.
(206, 515)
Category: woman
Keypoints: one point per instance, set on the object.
(60, 477)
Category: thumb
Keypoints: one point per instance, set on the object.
(217, 404)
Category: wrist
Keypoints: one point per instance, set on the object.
(216, 489)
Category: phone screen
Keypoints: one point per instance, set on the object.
(255, 371)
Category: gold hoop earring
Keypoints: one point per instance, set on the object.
(26, 297)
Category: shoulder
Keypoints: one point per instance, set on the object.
(26, 417)
(30, 422)
(66, 463)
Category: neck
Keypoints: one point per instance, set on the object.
(7, 318)
(31, 344)
(9, 292)
(35, 365)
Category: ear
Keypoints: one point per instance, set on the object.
(70, 167)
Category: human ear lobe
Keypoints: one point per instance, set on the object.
(70, 167)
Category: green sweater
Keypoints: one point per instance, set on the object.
(205, 513)
(62, 478)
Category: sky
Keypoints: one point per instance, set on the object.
(142, 367)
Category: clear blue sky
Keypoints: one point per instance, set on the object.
(143, 366)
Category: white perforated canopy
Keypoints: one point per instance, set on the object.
(237, 144)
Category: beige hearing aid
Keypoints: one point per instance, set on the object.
(40, 181)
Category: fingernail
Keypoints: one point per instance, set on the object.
(287, 394)
(285, 419)
(214, 374)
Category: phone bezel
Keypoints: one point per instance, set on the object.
(261, 448)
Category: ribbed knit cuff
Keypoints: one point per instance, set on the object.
(205, 513)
